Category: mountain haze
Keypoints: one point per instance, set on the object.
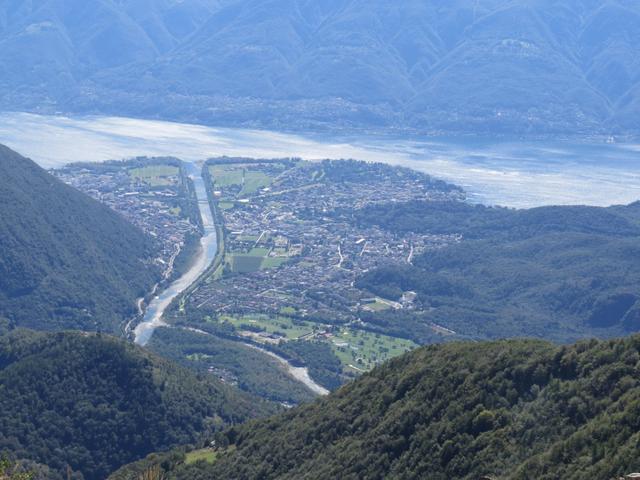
(540, 66)
(67, 261)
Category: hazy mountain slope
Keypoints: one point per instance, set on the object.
(95, 403)
(488, 65)
(67, 261)
(48, 48)
(510, 410)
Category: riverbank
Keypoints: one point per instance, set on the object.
(207, 259)
(204, 258)
(301, 374)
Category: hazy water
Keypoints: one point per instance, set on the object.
(516, 173)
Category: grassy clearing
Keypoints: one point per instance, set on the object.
(204, 455)
(155, 175)
(285, 326)
(247, 238)
(242, 263)
(253, 261)
(226, 175)
(377, 306)
(272, 262)
(357, 348)
(259, 252)
(239, 175)
(366, 349)
(254, 181)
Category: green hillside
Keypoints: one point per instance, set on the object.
(508, 410)
(67, 261)
(94, 403)
(558, 273)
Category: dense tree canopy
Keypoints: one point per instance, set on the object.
(67, 261)
(515, 409)
(93, 403)
(554, 272)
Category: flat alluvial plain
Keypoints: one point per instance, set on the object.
(292, 257)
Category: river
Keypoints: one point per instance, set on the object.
(205, 256)
(301, 374)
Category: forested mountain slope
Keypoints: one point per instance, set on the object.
(93, 403)
(67, 261)
(559, 273)
(510, 410)
(507, 66)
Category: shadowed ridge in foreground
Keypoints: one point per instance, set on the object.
(515, 409)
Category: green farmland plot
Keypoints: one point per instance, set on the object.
(291, 329)
(272, 262)
(254, 181)
(241, 263)
(256, 259)
(357, 349)
(246, 176)
(155, 175)
(226, 175)
(259, 252)
(247, 238)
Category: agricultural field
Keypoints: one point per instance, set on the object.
(232, 184)
(237, 180)
(226, 175)
(286, 327)
(244, 263)
(254, 181)
(240, 262)
(155, 175)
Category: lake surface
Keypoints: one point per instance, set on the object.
(510, 173)
(205, 256)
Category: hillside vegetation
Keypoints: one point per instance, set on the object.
(250, 369)
(514, 409)
(94, 403)
(559, 273)
(67, 261)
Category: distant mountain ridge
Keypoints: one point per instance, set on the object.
(485, 66)
(67, 262)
